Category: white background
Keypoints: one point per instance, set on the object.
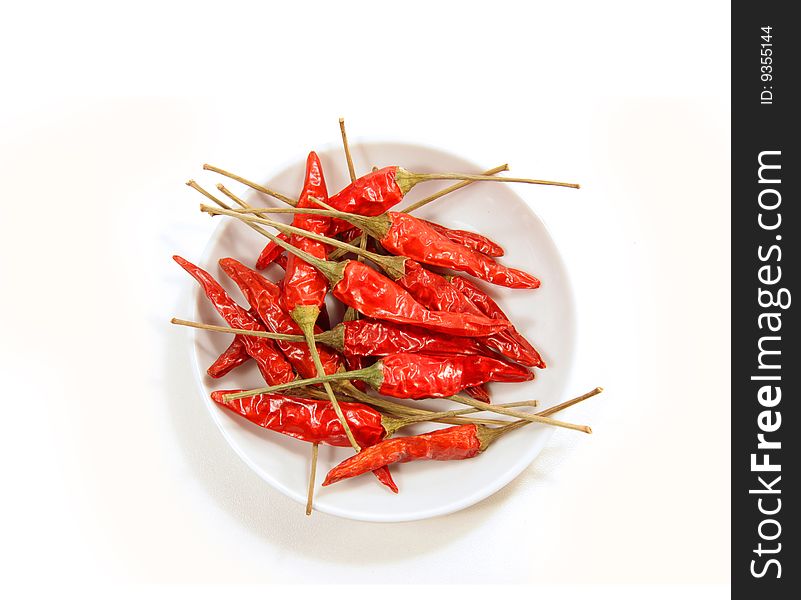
(114, 472)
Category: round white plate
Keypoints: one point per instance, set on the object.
(545, 316)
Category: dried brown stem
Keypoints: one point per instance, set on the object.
(251, 184)
(312, 477)
(451, 188)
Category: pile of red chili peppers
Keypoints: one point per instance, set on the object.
(415, 328)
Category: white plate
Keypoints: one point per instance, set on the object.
(546, 316)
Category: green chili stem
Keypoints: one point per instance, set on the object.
(406, 180)
(348, 157)
(329, 338)
(312, 477)
(518, 414)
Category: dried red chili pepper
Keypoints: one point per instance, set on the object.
(479, 392)
(270, 254)
(417, 376)
(313, 421)
(273, 366)
(474, 241)
(263, 296)
(232, 357)
(517, 343)
(453, 443)
(405, 235)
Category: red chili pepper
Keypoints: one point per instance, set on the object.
(452, 443)
(232, 357)
(270, 254)
(368, 337)
(436, 292)
(272, 365)
(374, 295)
(312, 421)
(474, 241)
(515, 340)
(263, 296)
(479, 392)
(303, 284)
(417, 376)
(405, 235)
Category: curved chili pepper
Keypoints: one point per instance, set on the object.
(452, 443)
(312, 421)
(405, 235)
(368, 337)
(479, 392)
(474, 241)
(374, 295)
(232, 357)
(270, 253)
(263, 296)
(273, 366)
(437, 292)
(303, 284)
(516, 343)
(419, 376)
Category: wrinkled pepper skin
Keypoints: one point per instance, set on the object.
(232, 357)
(367, 337)
(474, 241)
(418, 376)
(436, 292)
(453, 443)
(264, 298)
(516, 346)
(273, 366)
(377, 296)
(412, 237)
(303, 284)
(311, 421)
(370, 195)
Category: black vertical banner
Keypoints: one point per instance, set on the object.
(766, 228)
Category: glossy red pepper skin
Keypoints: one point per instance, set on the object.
(453, 443)
(516, 345)
(418, 376)
(311, 421)
(414, 238)
(436, 292)
(377, 296)
(303, 284)
(273, 366)
(264, 298)
(368, 337)
(270, 253)
(370, 195)
(474, 241)
(232, 357)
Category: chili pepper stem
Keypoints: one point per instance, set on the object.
(348, 157)
(312, 477)
(487, 435)
(406, 180)
(251, 184)
(519, 414)
(451, 188)
(193, 184)
(392, 265)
